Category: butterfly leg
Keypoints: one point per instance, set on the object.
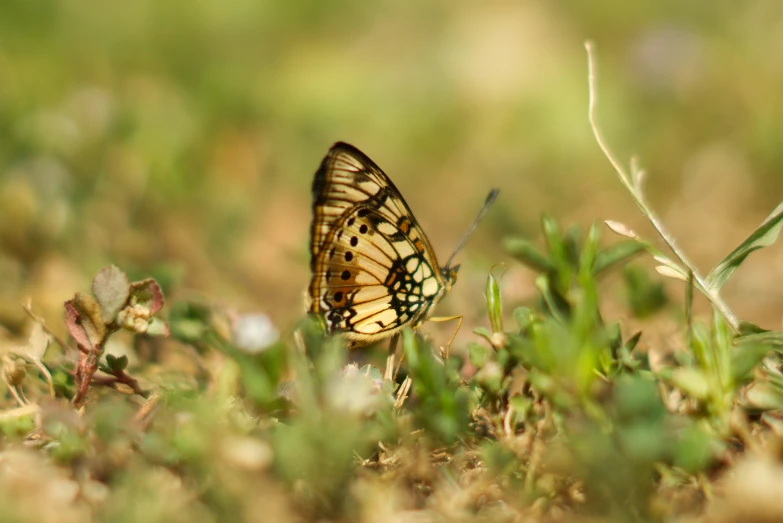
(440, 319)
(388, 373)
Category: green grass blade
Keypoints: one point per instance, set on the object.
(762, 237)
(526, 252)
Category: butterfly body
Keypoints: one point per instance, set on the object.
(373, 268)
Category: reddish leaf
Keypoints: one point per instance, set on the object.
(73, 322)
(147, 294)
(84, 319)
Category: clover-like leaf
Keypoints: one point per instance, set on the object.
(111, 289)
(116, 364)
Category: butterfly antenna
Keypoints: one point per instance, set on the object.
(491, 197)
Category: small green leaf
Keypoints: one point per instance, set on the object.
(646, 295)
(555, 303)
(524, 318)
(722, 345)
(117, 364)
(484, 333)
(691, 381)
(111, 289)
(571, 243)
(614, 336)
(747, 328)
(617, 254)
(490, 377)
(772, 338)
(745, 358)
(587, 257)
(190, 321)
(694, 449)
(529, 255)
(442, 401)
(638, 398)
(630, 343)
(764, 236)
(478, 354)
(702, 349)
(554, 240)
(494, 304)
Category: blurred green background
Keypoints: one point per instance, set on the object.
(178, 139)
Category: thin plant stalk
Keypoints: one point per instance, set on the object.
(633, 182)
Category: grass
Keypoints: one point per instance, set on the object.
(124, 406)
(555, 415)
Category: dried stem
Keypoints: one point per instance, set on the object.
(85, 370)
(47, 375)
(145, 415)
(120, 377)
(632, 183)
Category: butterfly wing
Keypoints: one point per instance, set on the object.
(373, 269)
(370, 279)
(347, 178)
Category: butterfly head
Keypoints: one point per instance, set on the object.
(450, 276)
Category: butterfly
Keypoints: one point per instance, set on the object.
(373, 268)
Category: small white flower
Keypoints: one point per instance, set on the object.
(254, 332)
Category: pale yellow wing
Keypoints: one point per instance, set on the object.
(373, 269)
(347, 178)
